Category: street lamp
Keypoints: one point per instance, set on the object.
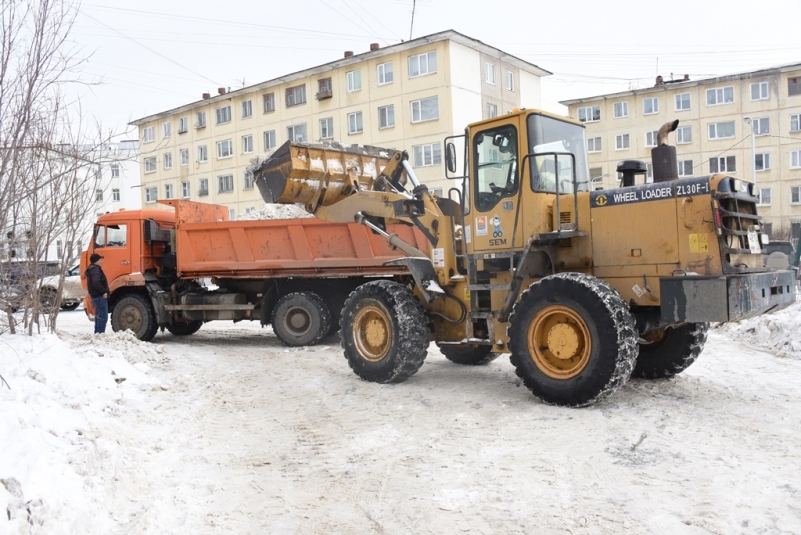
(753, 152)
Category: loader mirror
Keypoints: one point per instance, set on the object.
(450, 157)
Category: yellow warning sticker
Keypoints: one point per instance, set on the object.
(699, 243)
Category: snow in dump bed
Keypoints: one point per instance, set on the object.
(779, 332)
(276, 211)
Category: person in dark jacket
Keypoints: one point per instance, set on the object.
(97, 285)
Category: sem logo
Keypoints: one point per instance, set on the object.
(601, 200)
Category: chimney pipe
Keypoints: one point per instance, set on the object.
(206, 95)
(221, 90)
(686, 77)
(348, 53)
(659, 81)
(374, 46)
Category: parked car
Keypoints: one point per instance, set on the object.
(71, 293)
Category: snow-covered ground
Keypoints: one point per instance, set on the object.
(227, 431)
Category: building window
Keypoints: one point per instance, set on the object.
(200, 119)
(203, 187)
(590, 114)
(684, 135)
(764, 197)
(247, 144)
(223, 114)
(225, 149)
(148, 134)
(426, 109)
(795, 194)
(166, 128)
(225, 183)
(354, 81)
(510, 81)
(231, 214)
(794, 86)
(168, 160)
(248, 180)
(720, 95)
(721, 130)
(795, 123)
(621, 142)
(115, 170)
(620, 109)
(185, 190)
(386, 116)
(247, 108)
(490, 73)
(686, 168)
(355, 125)
(183, 125)
(150, 165)
(324, 90)
(184, 157)
(168, 191)
(296, 132)
(759, 91)
(327, 128)
(762, 161)
(385, 75)
(594, 144)
(296, 96)
(682, 101)
(269, 102)
(269, 140)
(492, 111)
(761, 126)
(650, 138)
(723, 164)
(427, 155)
(650, 106)
(795, 159)
(423, 64)
(649, 173)
(99, 195)
(202, 153)
(151, 194)
(115, 195)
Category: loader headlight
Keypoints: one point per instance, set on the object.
(765, 239)
(737, 184)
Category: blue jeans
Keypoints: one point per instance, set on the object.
(101, 314)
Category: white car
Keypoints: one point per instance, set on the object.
(71, 294)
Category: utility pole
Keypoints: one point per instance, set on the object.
(753, 154)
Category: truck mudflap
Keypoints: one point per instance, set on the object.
(725, 298)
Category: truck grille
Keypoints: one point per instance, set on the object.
(736, 215)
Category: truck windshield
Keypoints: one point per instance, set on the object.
(547, 136)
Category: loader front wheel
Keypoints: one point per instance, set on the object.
(384, 332)
(301, 319)
(135, 313)
(470, 356)
(668, 352)
(573, 340)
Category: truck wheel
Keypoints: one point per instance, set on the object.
(135, 313)
(670, 351)
(471, 356)
(301, 319)
(69, 306)
(384, 332)
(185, 329)
(573, 339)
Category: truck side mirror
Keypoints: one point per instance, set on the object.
(450, 157)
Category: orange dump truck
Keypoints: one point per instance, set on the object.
(292, 273)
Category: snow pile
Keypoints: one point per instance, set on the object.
(56, 454)
(777, 333)
(276, 211)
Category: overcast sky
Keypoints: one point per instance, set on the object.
(150, 56)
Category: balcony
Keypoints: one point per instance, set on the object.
(324, 94)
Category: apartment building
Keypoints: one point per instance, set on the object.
(406, 96)
(716, 118)
(118, 182)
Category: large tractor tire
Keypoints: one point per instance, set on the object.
(135, 313)
(185, 329)
(470, 356)
(301, 319)
(573, 339)
(670, 351)
(384, 332)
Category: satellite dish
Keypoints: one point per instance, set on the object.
(777, 260)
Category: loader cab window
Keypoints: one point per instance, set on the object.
(552, 142)
(495, 160)
(111, 236)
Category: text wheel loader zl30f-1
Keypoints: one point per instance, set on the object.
(583, 288)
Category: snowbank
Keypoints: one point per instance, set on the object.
(778, 333)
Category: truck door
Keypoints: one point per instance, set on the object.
(495, 161)
(112, 242)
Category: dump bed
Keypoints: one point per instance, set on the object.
(207, 245)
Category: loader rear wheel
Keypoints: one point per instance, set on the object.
(301, 319)
(135, 313)
(668, 352)
(384, 332)
(185, 329)
(471, 356)
(573, 339)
